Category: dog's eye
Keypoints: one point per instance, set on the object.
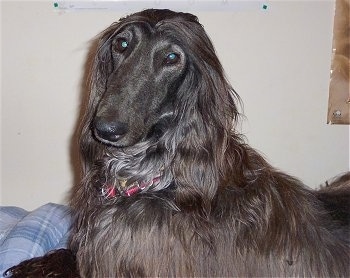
(172, 58)
(121, 44)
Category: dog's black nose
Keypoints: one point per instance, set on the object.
(108, 129)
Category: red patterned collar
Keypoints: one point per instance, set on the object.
(121, 188)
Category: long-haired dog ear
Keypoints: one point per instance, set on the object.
(199, 162)
(99, 67)
(103, 61)
(207, 111)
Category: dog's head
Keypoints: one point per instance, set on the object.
(150, 67)
(159, 105)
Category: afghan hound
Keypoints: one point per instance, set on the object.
(170, 188)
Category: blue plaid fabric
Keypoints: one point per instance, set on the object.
(25, 235)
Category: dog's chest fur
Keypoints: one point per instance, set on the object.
(148, 235)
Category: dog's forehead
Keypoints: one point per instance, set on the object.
(163, 32)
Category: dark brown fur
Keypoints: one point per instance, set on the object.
(220, 210)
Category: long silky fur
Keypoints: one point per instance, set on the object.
(220, 209)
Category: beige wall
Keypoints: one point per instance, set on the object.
(278, 60)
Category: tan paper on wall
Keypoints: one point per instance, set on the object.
(339, 87)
